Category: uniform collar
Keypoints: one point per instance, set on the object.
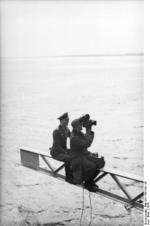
(62, 128)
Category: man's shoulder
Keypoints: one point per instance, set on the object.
(77, 134)
(56, 130)
(68, 130)
(61, 131)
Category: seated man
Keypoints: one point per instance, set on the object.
(85, 166)
(59, 149)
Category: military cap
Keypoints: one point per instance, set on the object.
(65, 115)
(76, 122)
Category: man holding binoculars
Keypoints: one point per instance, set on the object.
(85, 165)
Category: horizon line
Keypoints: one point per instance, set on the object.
(75, 55)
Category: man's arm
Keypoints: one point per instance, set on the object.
(89, 135)
(69, 133)
(84, 142)
(57, 141)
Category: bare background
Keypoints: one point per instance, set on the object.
(80, 57)
(50, 28)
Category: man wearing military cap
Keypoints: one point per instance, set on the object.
(59, 149)
(64, 116)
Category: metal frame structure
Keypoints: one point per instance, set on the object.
(31, 158)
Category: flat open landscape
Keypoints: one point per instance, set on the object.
(35, 91)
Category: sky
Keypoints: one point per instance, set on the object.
(59, 28)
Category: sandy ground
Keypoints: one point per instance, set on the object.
(34, 93)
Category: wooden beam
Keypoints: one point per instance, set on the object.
(100, 177)
(137, 197)
(46, 161)
(123, 174)
(48, 172)
(121, 186)
(118, 198)
(61, 167)
(30, 158)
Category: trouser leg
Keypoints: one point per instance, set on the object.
(89, 182)
(68, 171)
(91, 176)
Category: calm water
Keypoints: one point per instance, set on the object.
(36, 91)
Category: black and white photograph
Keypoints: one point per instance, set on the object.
(72, 113)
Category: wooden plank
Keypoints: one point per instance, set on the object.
(102, 192)
(118, 198)
(104, 169)
(99, 191)
(123, 174)
(29, 159)
(36, 151)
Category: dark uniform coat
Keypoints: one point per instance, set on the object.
(59, 148)
(83, 168)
